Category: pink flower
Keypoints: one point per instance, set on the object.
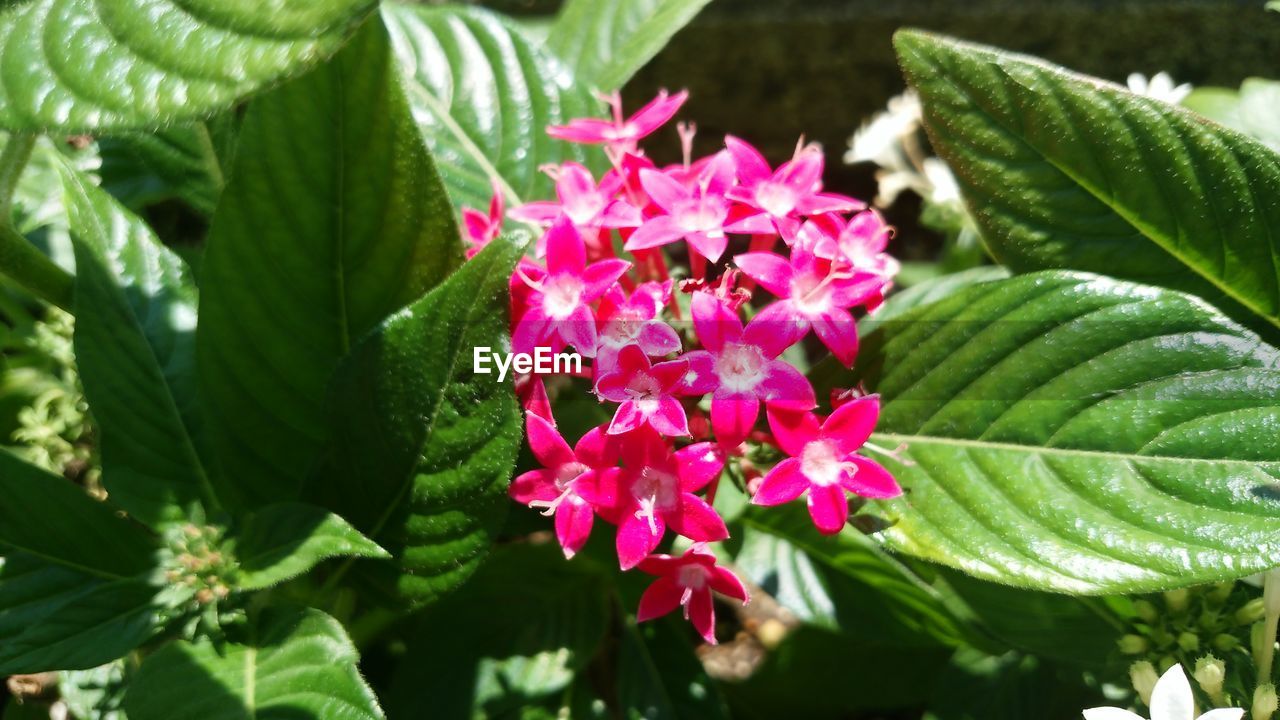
(481, 228)
(647, 393)
(656, 490)
(698, 212)
(558, 303)
(793, 189)
(586, 204)
(634, 320)
(567, 480)
(823, 462)
(811, 294)
(858, 243)
(740, 368)
(619, 132)
(688, 581)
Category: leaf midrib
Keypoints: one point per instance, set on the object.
(993, 62)
(1063, 452)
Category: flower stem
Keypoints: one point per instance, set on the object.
(1271, 600)
(13, 159)
(33, 270)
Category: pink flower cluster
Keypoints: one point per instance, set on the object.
(654, 467)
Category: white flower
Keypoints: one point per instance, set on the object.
(1160, 87)
(1171, 700)
(943, 187)
(879, 139)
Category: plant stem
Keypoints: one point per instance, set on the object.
(13, 159)
(33, 270)
(1271, 599)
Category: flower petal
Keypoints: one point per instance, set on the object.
(784, 483)
(870, 480)
(636, 539)
(579, 330)
(781, 323)
(1110, 713)
(657, 338)
(655, 114)
(535, 485)
(1223, 714)
(829, 508)
(733, 417)
(852, 423)
(653, 233)
(697, 520)
(786, 387)
(769, 269)
(566, 252)
(582, 130)
(1172, 698)
(710, 245)
(574, 517)
(836, 329)
(658, 599)
(714, 323)
(702, 613)
(698, 464)
(726, 583)
(628, 417)
(596, 449)
(546, 443)
(700, 378)
(750, 164)
(665, 192)
(600, 276)
(793, 430)
(669, 418)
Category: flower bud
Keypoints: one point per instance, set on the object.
(1210, 674)
(1225, 643)
(1252, 612)
(1133, 644)
(1177, 600)
(1143, 676)
(1264, 702)
(1146, 611)
(1220, 592)
(1190, 642)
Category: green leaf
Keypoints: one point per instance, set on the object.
(1064, 171)
(660, 678)
(501, 662)
(290, 663)
(184, 161)
(52, 618)
(135, 349)
(422, 447)
(1068, 432)
(1251, 110)
(484, 95)
(877, 598)
(333, 219)
(283, 541)
(604, 42)
(132, 65)
(96, 693)
(53, 519)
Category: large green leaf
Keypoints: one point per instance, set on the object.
(135, 349)
(499, 662)
(53, 618)
(334, 218)
(422, 447)
(290, 664)
(283, 541)
(184, 161)
(1064, 171)
(53, 519)
(1070, 432)
(604, 42)
(93, 64)
(484, 95)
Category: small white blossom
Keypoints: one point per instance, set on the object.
(1171, 700)
(1160, 87)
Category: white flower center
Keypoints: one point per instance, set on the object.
(822, 464)
(655, 491)
(692, 576)
(705, 215)
(776, 199)
(561, 295)
(644, 391)
(740, 367)
(582, 209)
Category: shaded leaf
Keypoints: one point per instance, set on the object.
(283, 541)
(131, 64)
(333, 219)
